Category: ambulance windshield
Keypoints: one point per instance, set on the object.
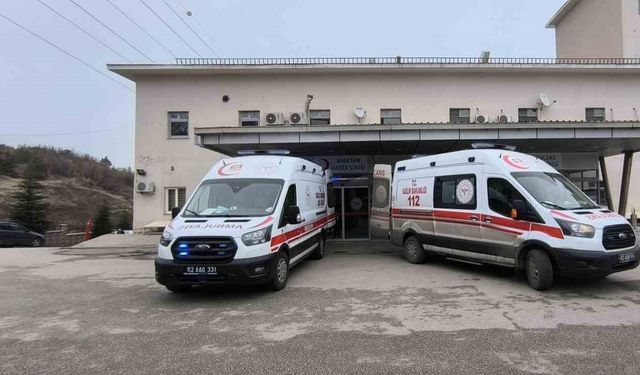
(553, 190)
(238, 197)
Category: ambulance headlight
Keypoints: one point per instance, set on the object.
(166, 238)
(570, 228)
(257, 237)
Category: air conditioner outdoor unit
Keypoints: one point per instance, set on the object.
(298, 118)
(481, 119)
(145, 187)
(274, 118)
(504, 119)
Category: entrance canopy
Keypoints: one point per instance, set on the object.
(604, 138)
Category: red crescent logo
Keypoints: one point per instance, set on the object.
(514, 162)
(230, 169)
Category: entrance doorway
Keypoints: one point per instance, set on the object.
(352, 213)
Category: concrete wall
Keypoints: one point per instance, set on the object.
(631, 28)
(423, 97)
(592, 28)
(156, 153)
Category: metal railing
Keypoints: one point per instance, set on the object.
(405, 61)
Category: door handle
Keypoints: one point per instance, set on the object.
(488, 220)
(473, 218)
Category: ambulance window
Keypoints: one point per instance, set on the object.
(457, 192)
(501, 196)
(289, 200)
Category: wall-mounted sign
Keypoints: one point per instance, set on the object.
(344, 164)
(553, 159)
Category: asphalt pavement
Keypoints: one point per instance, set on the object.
(68, 311)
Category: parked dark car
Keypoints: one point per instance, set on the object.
(12, 234)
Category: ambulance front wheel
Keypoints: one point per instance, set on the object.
(413, 252)
(281, 274)
(539, 270)
(178, 289)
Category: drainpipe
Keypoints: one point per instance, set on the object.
(308, 105)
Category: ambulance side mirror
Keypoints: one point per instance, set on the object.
(519, 210)
(292, 215)
(174, 212)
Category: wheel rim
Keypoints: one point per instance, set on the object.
(282, 270)
(533, 268)
(321, 244)
(36, 243)
(411, 249)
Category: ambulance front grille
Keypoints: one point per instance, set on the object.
(203, 249)
(618, 237)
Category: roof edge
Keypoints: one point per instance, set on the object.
(561, 13)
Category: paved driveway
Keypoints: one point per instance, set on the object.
(100, 311)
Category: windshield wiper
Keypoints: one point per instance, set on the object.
(553, 205)
(192, 212)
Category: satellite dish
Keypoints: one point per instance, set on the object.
(545, 100)
(359, 112)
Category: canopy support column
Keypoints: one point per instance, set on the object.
(626, 180)
(605, 180)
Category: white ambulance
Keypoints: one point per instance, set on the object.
(251, 219)
(506, 208)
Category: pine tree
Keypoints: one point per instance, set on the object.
(105, 162)
(102, 222)
(29, 208)
(36, 169)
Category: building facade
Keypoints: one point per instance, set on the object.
(597, 28)
(353, 113)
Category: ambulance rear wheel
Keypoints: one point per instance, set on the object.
(281, 274)
(318, 253)
(539, 270)
(413, 252)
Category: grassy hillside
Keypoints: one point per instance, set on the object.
(75, 185)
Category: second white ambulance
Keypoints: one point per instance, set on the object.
(507, 208)
(251, 219)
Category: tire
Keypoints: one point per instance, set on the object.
(36, 242)
(413, 252)
(179, 289)
(539, 270)
(281, 274)
(318, 253)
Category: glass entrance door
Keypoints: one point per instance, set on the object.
(352, 212)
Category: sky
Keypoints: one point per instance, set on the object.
(49, 98)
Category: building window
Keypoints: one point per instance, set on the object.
(320, 117)
(460, 115)
(249, 118)
(175, 197)
(178, 124)
(390, 116)
(457, 192)
(595, 114)
(528, 115)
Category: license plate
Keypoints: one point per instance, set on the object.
(627, 257)
(199, 270)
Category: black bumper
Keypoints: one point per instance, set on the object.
(593, 264)
(236, 272)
